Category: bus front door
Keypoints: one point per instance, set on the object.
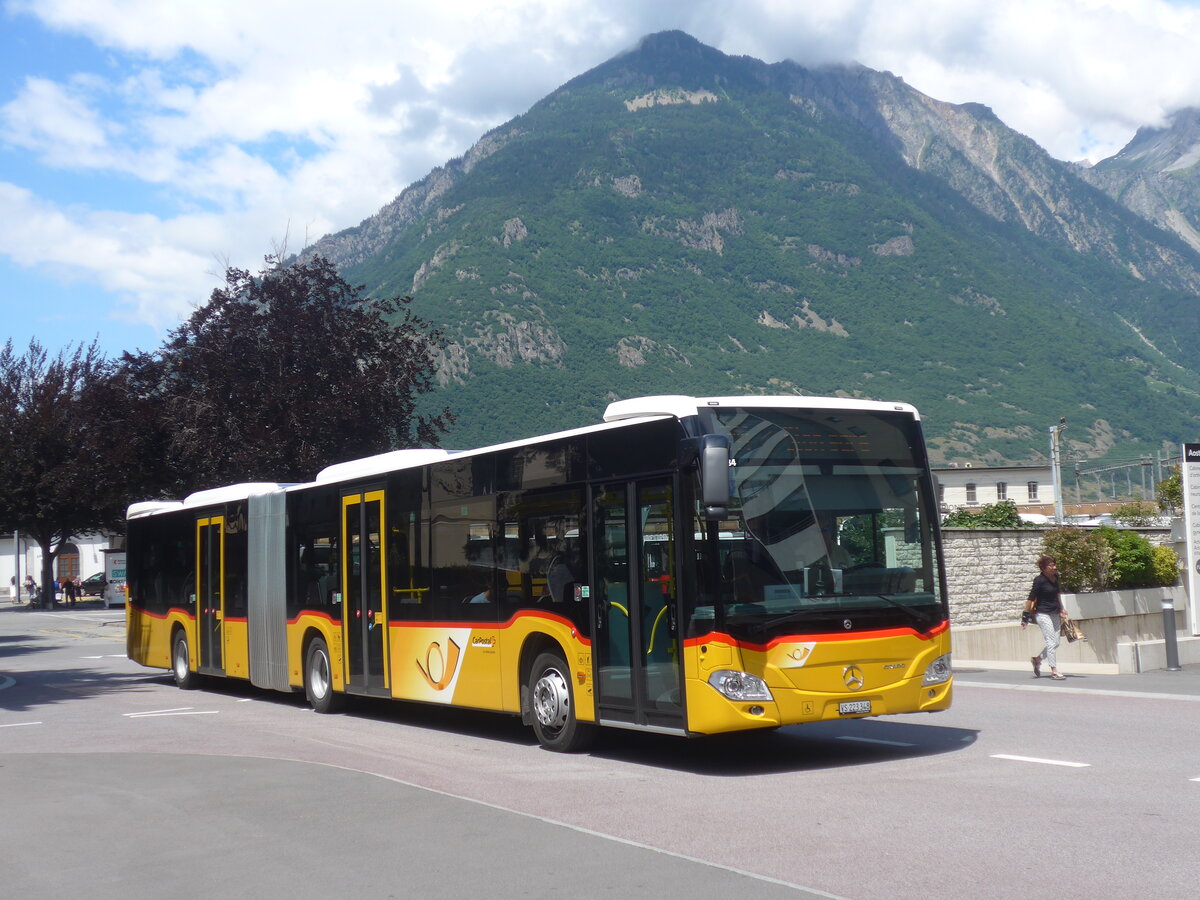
(636, 651)
(210, 594)
(364, 580)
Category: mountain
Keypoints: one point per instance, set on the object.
(1157, 175)
(677, 220)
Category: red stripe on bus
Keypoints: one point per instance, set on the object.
(308, 613)
(162, 617)
(474, 624)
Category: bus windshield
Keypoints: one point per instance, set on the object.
(831, 522)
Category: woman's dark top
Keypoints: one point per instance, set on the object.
(1045, 592)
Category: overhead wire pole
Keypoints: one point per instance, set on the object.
(1056, 468)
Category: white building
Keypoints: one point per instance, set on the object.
(1031, 488)
(21, 556)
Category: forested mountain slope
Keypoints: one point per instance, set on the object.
(681, 221)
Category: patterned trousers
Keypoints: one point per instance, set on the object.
(1049, 623)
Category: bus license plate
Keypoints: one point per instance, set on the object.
(854, 707)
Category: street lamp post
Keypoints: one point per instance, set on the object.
(1056, 468)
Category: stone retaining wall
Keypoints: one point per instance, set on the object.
(989, 571)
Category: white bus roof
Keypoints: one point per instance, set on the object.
(379, 464)
(680, 406)
(151, 507)
(619, 414)
(215, 496)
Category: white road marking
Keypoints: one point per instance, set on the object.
(1044, 762)
(160, 712)
(1063, 689)
(865, 740)
(19, 724)
(155, 715)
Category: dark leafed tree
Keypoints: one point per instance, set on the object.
(285, 372)
(67, 467)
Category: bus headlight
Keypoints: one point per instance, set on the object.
(939, 670)
(740, 685)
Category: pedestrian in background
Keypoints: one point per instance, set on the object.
(1050, 614)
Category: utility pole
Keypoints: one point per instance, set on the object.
(1056, 468)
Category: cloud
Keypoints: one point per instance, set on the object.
(148, 263)
(56, 122)
(249, 121)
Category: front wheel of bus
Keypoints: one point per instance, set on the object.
(318, 679)
(185, 678)
(553, 703)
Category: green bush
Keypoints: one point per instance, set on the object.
(1109, 559)
(1132, 561)
(1083, 557)
(1166, 566)
(1002, 514)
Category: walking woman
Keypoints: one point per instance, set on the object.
(1050, 614)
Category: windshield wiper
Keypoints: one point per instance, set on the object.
(924, 621)
(766, 624)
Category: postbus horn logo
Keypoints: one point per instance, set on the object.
(435, 660)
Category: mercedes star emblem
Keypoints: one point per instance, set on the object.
(852, 676)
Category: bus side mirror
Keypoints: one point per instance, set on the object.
(714, 476)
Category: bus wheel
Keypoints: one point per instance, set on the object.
(185, 678)
(553, 704)
(318, 679)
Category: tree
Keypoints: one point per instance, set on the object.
(284, 372)
(66, 468)
(1136, 514)
(1169, 492)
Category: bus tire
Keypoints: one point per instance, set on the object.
(552, 703)
(181, 667)
(318, 679)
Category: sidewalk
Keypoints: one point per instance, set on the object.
(1184, 683)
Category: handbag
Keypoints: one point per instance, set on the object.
(1071, 631)
(1029, 613)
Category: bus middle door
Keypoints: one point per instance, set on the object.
(364, 582)
(210, 594)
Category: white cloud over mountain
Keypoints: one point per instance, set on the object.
(207, 132)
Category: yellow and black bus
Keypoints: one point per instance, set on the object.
(691, 566)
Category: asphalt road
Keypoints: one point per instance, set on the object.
(117, 784)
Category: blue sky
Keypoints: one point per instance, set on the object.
(146, 145)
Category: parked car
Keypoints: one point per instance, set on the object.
(93, 585)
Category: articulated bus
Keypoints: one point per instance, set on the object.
(693, 566)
